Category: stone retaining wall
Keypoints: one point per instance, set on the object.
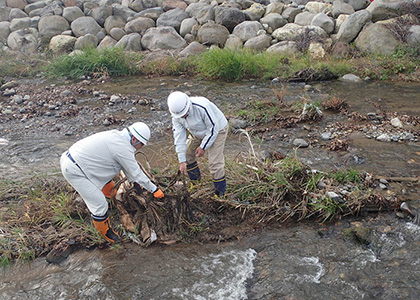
(193, 26)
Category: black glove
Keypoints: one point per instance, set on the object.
(138, 188)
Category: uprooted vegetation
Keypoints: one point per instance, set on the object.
(49, 217)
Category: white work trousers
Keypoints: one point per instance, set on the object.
(91, 194)
(215, 153)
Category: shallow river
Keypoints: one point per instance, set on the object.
(304, 261)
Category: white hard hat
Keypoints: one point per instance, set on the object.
(140, 131)
(179, 104)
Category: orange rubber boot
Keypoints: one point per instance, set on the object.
(103, 226)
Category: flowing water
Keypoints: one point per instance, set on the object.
(303, 261)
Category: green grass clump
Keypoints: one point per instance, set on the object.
(93, 62)
(343, 176)
(234, 64)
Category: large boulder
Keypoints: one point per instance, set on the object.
(352, 25)
(172, 18)
(35, 5)
(413, 37)
(117, 33)
(247, 29)
(229, 17)
(113, 22)
(234, 42)
(284, 48)
(377, 38)
(316, 7)
(86, 41)
(357, 4)
(50, 26)
(289, 13)
(304, 18)
(4, 31)
(130, 42)
(386, 9)
(101, 13)
(193, 49)
(5, 13)
(323, 21)
(212, 34)
(255, 12)
(202, 12)
(107, 42)
(122, 11)
(85, 25)
(136, 5)
(164, 37)
(273, 21)
(16, 13)
(17, 3)
(23, 40)
(292, 31)
(341, 8)
(274, 7)
(53, 8)
(259, 42)
(72, 13)
(152, 13)
(139, 25)
(171, 4)
(187, 26)
(60, 44)
(20, 23)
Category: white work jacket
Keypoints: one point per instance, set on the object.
(102, 155)
(204, 121)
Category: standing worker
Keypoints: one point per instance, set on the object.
(208, 129)
(91, 164)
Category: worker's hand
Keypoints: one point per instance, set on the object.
(138, 188)
(158, 194)
(183, 168)
(199, 152)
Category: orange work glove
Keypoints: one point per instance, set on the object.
(158, 194)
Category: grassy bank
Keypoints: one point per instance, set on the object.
(217, 64)
(39, 216)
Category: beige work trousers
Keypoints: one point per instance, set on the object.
(215, 153)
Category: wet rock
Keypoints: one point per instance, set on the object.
(363, 234)
(383, 186)
(132, 110)
(351, 78)
(9, 92)
(326, 136)
(384, 138)
(61, 252)
(115, 100)
(383, 180)
(334, 196)
(396, 123)
(9, 85)
(301, 143)
(17, 99)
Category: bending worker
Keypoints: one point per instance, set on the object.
(91, 164)
(208, 130)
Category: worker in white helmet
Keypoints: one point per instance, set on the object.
(208, 130)
(91, 163)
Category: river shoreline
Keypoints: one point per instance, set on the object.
(62, 113)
